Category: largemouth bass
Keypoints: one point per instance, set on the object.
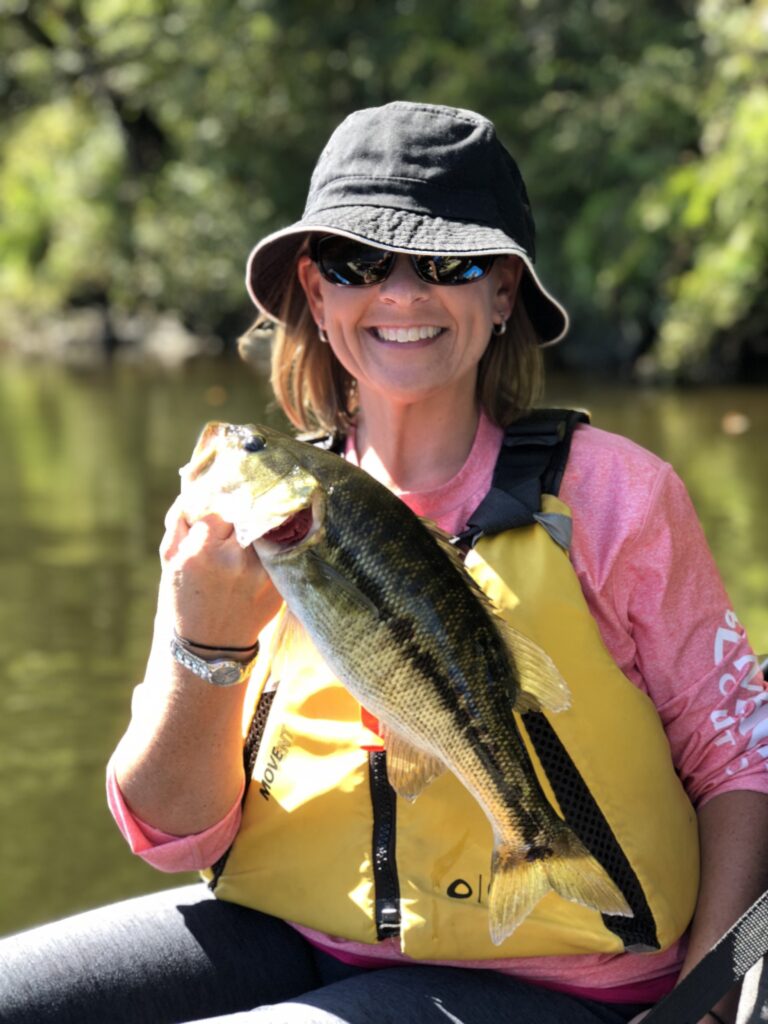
(392, 610)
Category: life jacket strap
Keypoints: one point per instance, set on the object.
(531, 462)
(329, 442)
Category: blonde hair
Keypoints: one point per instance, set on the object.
(315, 391)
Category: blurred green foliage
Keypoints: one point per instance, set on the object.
(147, 145)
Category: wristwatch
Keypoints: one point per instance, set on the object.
(217, 671)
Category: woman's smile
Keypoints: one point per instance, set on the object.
(406, 334)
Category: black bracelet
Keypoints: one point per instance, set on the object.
(186, 642)
(715, 1016)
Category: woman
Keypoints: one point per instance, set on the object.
(413, 319)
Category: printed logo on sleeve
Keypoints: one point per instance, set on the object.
(748, 714)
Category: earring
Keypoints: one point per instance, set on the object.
(322, 335)
(499, 329)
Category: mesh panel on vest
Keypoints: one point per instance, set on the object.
(588, 822)
(250, 752)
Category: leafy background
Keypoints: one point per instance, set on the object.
(147, 143)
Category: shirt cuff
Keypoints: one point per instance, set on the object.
(168, 852)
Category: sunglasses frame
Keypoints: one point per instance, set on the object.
(390, 257)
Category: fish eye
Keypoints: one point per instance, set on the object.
(255, 443)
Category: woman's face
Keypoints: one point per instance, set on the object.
(408, 340)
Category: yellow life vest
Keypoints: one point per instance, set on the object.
(325, 843)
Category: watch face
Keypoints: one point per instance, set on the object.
(220, 672)
(226, 674)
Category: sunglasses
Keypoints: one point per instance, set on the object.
(355, 264)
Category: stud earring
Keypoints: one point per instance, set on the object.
(322, 335)
(499, 329)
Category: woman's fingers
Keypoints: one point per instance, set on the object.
(208, 536)
(216, 591)
(176, 529)
(206, 532)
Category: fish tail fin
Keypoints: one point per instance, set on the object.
(517, 885)
(579, 877)
(565, 866)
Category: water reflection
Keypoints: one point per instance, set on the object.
(89, 466)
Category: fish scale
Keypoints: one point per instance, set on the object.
(393, 612)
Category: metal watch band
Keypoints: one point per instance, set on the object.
(217, 671)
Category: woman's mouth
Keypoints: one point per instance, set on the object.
(406, 335)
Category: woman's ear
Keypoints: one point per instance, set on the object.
(309, 279)
(509, 271)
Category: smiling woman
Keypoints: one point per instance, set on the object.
(411, 324)
(415, 345)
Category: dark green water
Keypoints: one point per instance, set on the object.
(88, 467)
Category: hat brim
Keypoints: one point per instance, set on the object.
(271, 264)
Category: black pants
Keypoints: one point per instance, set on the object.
(182, 955)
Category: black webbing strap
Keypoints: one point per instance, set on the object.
(725, 964)
(531, 461)
(333, 442)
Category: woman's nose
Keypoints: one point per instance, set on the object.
(403, 284)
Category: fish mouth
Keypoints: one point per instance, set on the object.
(301, 528)
(292, 531)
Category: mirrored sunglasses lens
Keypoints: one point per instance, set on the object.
(347, 263)
(454, 269)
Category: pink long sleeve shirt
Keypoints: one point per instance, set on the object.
(653, 588)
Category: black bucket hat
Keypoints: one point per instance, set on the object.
(413, 178)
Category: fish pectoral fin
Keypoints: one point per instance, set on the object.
(287, 635)
(520, 878)
(345, 585)
(539, 680)
(409, 769)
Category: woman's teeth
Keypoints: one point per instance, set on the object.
(406, 334)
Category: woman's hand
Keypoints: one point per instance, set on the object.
(215, 592)
(180, 763)
(733, 827)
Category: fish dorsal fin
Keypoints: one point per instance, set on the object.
(409, 769)
(453, 553)
(540, 684)
(445, 543)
